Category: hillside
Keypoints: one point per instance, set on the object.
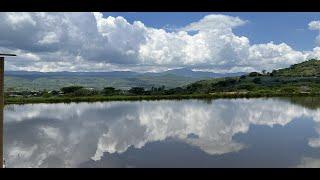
(57, 82)
(304, 69)
(253, 84)
(299, 78)
(28, 80)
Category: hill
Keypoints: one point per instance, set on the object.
(304, 69)
(299, 78)
(186, 72)
(31, 80)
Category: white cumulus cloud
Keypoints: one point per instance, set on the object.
(315, 25)
(92, 42)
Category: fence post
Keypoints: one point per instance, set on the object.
(1, 108)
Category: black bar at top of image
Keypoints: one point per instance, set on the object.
(161, 5)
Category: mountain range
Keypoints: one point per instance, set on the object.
(33, 80)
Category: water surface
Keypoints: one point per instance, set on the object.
(187, 133)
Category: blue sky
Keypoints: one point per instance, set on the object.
(263, 27)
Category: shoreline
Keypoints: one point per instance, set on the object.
(52, 100)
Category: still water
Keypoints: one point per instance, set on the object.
(188, 133)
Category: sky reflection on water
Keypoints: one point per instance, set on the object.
(188, 133)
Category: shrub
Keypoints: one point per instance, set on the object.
(84, 92)
(257, 80)
(254, 74)
(70, 89)
(248, 87)
(137, 90)
(46, 95)
(109, 91)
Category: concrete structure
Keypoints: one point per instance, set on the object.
(2, 104)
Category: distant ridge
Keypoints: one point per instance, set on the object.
(36, 74)
(184, 72)
(22, 80)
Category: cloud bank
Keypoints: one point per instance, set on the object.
(92, 42)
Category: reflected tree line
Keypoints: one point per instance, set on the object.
(312, 103)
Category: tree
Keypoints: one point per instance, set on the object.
(10, 89)
(137, 90)
(46, 95)
(257, 80)
(177, 90)
(84, 92)
(70, 89)
(53, 92)
(243, 77)
(254, 74)
(109, 91)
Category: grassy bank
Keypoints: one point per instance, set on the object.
(99, 98)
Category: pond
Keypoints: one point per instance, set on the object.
(259, 132)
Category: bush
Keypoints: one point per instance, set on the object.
(84, 92)
(243, 77)
(70, 89)
(108, 91)
(257, 80)
(46, 95)
(227, 82)
(254, 74)
(248, 87)
(137, 91)
(288, 90)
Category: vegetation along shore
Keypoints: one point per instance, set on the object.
(301, 79)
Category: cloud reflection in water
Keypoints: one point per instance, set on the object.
(67, 135)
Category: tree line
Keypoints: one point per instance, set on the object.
(111, 91)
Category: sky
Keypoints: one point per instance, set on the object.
(152, 42)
